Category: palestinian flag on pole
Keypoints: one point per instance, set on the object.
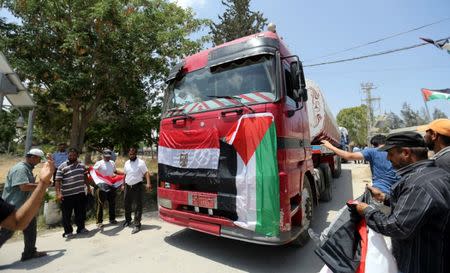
(257, 181)
(186, 156)
(428, 94)
(104, 182)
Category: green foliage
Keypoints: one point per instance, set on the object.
(7, 129)
(355, 120)
(82, 56)
(390, 121)
(412, 117)
(437, 113)
(237, 21)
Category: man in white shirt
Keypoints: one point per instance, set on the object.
(106, 167)
(135, 170)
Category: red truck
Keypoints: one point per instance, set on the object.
(239, 153)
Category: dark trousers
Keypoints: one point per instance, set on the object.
(77, 203)
(134, 194)
(103, 196)
(29, 238)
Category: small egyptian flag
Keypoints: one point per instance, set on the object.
(443, 44)
(441, 94)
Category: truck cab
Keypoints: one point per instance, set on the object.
(208, 95)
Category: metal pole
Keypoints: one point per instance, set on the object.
(428, 111)
(1, 101)
(29, 137)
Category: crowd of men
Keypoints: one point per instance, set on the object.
(414, 187)
(23, 195)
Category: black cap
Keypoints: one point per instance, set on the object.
(403, 139)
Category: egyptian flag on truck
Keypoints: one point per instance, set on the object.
(105, 183)
(257, 181)
(188, 157)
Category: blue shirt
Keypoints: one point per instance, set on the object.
(383, 175)
(60, 157)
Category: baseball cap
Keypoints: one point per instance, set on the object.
(37, 152)
(403, 139)
(440, 126)
(107, 152)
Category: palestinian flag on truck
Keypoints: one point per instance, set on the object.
(428, 94)
(257, 181)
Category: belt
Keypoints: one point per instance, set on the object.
(134, 185)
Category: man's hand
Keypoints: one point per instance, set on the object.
(122, 187)
(326, 143)
(47, 171)
(148, 187)
(59, 197)
(376, 194)
(360, 208)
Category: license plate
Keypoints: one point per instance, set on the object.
(203, 201)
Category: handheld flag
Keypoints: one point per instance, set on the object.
(104, 182)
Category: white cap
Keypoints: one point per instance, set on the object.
(37, 152)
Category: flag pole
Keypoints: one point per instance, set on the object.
(428, 111)
(425, 99)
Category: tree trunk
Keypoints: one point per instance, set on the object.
(75, 128)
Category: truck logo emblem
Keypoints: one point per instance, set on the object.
(183, 160)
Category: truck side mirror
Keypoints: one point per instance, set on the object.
(294, 76)
(303, 91)
(298, 81)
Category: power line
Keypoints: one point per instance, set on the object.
(374, 54)
(379, 40)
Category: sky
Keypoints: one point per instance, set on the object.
(316, 28)
(312, 29)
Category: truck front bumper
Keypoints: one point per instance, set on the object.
(223, 227)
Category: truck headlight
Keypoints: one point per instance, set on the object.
(166, 203)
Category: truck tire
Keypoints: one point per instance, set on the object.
(327, 192)
(337, 168)
(308, 210)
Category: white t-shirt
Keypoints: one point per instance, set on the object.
(134, 171)
(105, 167)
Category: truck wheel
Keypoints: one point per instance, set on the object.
(307, 214)
(326, 194)
(337, 168)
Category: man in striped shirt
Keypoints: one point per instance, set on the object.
(70, 186)
(419, 220)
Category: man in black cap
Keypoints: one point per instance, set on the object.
(420, 216)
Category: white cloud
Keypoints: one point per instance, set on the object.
(190, 3)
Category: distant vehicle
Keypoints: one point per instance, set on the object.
(209, 94)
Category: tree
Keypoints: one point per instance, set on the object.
(237, 21)
(411, 117)
(355, 120)
(7, 129)
(437, 113)
(393, 121)
(86, 54)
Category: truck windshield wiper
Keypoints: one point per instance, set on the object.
(237, 99)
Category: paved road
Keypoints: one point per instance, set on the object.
(162, 247)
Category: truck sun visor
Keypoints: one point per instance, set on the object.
(176, 71)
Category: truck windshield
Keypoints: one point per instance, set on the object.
(250, 80)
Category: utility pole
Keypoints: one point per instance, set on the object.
(367, 89)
